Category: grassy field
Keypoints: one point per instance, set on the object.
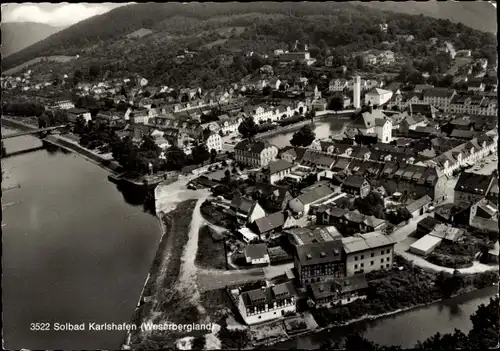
(37, 60)
(162, 302)
(459, 63)
(214, 43)
(210, 253)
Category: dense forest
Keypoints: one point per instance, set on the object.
(222, 34)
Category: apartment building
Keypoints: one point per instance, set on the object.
(316, 262)
(255, 153)
(368, 252)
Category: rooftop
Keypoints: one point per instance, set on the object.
(268, 223)
(318, 253)
(366, 241)
(256, 251)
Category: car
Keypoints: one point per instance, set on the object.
(397, 268)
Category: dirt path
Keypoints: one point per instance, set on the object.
(422, 263)
(187, 280)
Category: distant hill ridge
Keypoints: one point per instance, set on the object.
(19, 35)
(480, 15)
(120, 22)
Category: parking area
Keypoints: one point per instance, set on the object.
(485, 166)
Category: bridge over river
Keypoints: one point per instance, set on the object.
(34, 131)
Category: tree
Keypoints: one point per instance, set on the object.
(148, 144)
(248, 128)
(227, 176)
(267, 90)
(304, 137)
(176, 158)
(79, 126)
(213, 155)
(336, 104)
(200, 153)
(77, 77)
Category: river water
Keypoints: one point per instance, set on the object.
(75, 250)
(321, 128)
(408, 327)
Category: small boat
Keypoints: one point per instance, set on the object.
(115, 178)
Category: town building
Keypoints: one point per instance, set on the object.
(420, 206)
(484, 215)
(421, 87)
(276, 171)
(246, 210)
(268, 225)
(62, 105)
(338, 84)
(425, 245)
(377, 97)
(304, 57)
(383, 129)
(426, 225)
(368, 252)
(256, 254)
(74, 113)
(338, 292)
(447, 233)
(439, 97)
(356, 185)
(303, 202)
(316, 262)
(213, 141)
(472, 187)
(475, 85)
(255, 153)
(454, 214)
(265, 303)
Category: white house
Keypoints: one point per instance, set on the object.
(368, 252)
(377, 96)
(266, 303)
(214, 142)
(256, 254)
(337, 85)
(383, 128)
(278, 170)
(302, 203)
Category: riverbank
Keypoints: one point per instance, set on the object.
(296, 126)
(160, 302)
(472, 283)
(107, 163)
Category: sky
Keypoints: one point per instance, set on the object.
(58, 15)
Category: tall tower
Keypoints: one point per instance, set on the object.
(357, 92)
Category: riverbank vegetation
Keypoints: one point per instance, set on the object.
(483, 335)
(461, 254)
(211, 253)
(395, 290)
(161, 302)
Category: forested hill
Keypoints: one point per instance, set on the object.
(116, 24)
(127, 19)
(479, 15)
(222, 34)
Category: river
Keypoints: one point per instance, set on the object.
(405, 328)
(322, 130)
(75, 250)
